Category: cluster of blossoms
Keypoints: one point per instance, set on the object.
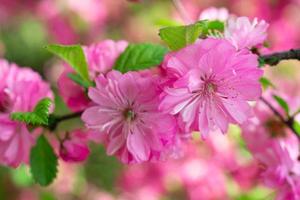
(275, 148)
(148, 115)
(20, 90)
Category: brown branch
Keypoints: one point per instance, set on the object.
(288, 122)
(275, 58)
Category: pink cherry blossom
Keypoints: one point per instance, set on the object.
(100, 58)
(213, 13)
(127, 112)
(74, 148)
(20, 90)
(246, 34)
(276, 149)
(213, 83)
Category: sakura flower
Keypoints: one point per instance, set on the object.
(213, 13)
(276, 150)
(20, 90)
(100, 58)
(126, 110)
(74, 148)
(212, 85)
(243, 33)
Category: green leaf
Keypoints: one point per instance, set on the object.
(39, 116)
(212, 27)
(139, 57)
(177, 37)
(296, 126)
(77, 79)
(43, 162)
(266, 83)
(282, 103)
(74, 56)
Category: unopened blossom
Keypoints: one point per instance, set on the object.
(213, 13)
(126, 111)
(243, 33)
(20, 90)
(74, 148)
(212, 85)
(100, 58)
(276, 150)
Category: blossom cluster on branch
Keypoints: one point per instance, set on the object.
(144, 101)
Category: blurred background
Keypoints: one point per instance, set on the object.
(219, 168)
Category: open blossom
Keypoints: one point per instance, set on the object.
(127, 112)
(74, 148)
(243, 33)
(100, 58)
(277, 151)
(213, 83)
(20, 90)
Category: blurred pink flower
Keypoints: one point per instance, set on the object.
(213, 13)
(72, 94)
(243, 33)
(276, 149)
(212, 86)
(20, 90)
(127, 111)
(100, 58)
(74, 147)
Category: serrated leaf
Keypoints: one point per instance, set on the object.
(43, 162)
(177, 37)
(212, 27)
(74, 56)
(39, 116)
(266, 83)
(140, 56)
(80, 81)
(282, 103)
(296, 126)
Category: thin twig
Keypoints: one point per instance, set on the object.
(275, 58)
(288, 122)
(55, 120)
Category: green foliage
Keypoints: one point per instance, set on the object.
(102, 170)
(212, 27)
(177, 37)
(296, 126)
(283, 104)
(140, 56)
(266, 83)
(43, 162)
(74, 56)
(21, 176)
(23, 41)
(39, 116)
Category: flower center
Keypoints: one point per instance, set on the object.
(129, 114)
(210, 87)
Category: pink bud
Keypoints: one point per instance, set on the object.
(74, 149)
